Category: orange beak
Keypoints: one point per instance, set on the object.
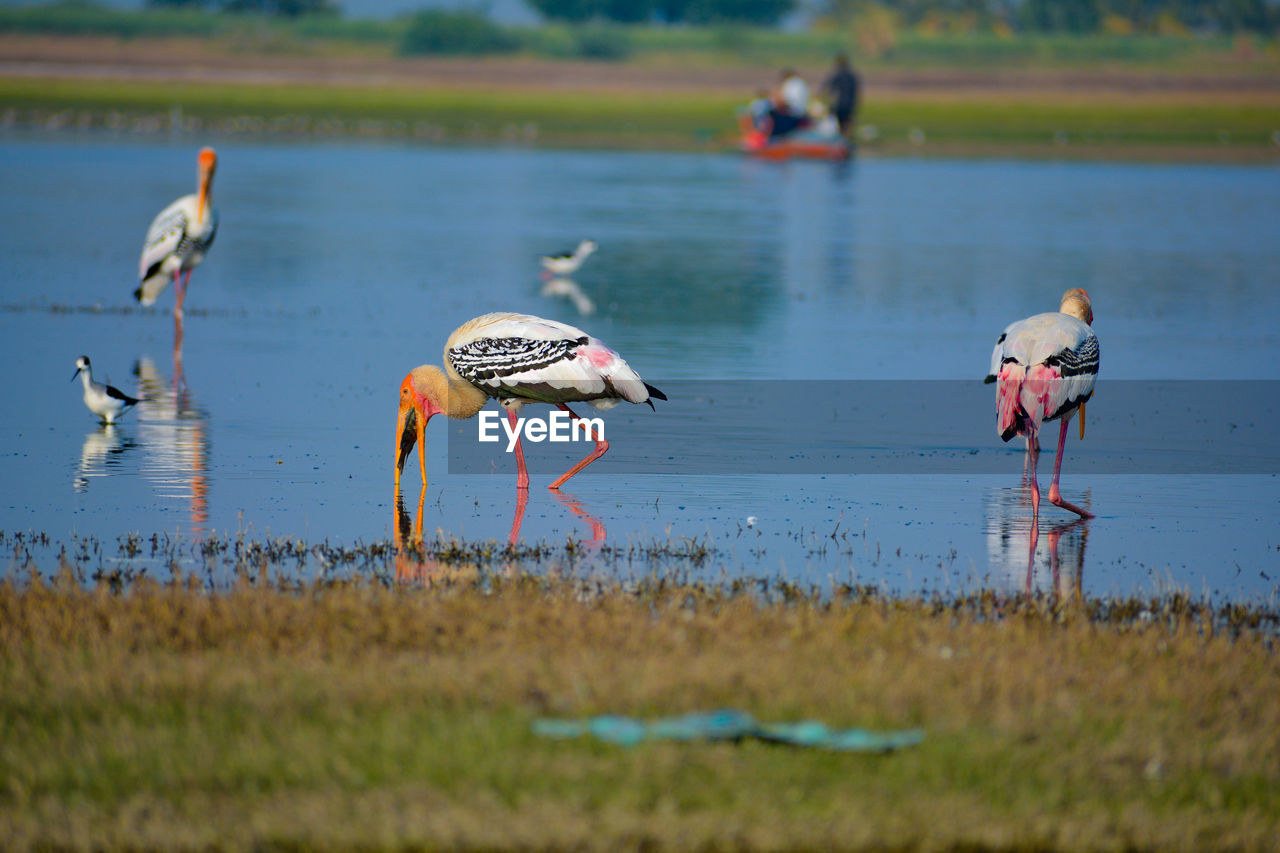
(410, 428)
(208, 161)
(1082, 421)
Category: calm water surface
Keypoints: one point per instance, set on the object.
(339, 267)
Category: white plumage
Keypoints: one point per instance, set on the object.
(105, 401)
(567, 263)
(1045, 367)
(178, 238)
(516, 359)
(520, 358)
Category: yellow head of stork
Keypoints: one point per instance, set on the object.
(1075, 302)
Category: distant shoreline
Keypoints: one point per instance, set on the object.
(67, 83)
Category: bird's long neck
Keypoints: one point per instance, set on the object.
(455, 396)
(86, 378)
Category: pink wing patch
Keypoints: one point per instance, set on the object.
(597, 355)
(1007, 393)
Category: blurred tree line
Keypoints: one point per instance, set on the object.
(1052, 16)
(1070, 16)
(283, 8)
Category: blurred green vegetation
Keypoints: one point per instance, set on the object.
(1054, 125)
(875, 39)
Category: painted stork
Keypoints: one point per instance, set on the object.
(106, 401)
(515, 359)
(178, 239)
(567, 263)
(1045, 367)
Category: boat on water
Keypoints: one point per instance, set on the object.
(813, 142)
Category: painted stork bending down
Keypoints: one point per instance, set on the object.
(1045, 366)
(567, 263)
(515, 359)
(106, 401)
(178, 239)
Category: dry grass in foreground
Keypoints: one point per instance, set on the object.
(378, 716)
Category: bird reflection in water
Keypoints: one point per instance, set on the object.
(412, 564)
(570, 502)
(569, 289)
(1014, 549)
(101, 454)
(175, 433)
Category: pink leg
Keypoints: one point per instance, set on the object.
(601, 447)
(1033, 458)
(1031, 551)
(522, 474)
(522, 501)
(598, 533)
(1055, 496)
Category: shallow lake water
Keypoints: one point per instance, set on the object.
(821, 330)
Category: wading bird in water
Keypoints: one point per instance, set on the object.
(178, 239)
(106, 401)
(515, 359)
(567, 263)
(1045, 367)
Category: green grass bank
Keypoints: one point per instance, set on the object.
(384, 716)
(1043, 124)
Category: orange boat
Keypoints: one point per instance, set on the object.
(799, 143)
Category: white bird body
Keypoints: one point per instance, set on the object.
(1045, 367)
(178, 238)
(519, 358)
(516, 359)
(567, 263)
(105, 401)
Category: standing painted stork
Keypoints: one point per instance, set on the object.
(106, 401)
(515, 359)
(1045, 366)
(178, 239)
(567, 263)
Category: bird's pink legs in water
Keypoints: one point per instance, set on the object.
(522, 474)
(522, 501)
(1033, 459)
(1054, 495)
(180, 290)
(601, 447)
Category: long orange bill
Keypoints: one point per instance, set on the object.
(1082, 421)
(407, 432)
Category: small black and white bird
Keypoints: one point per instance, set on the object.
(105, 401)
(567, 263)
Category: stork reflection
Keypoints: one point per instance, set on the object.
(1017, 561)
(102, 452)
(570, 502)
(412, 565)
(174, 431)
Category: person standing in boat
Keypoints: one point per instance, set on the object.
(841, 89)
(790, 103)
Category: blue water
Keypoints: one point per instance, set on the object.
(338, 267)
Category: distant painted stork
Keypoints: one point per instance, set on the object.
(515, 359)
(567, 263)
(1045, 367)
(178, 239)
(106, 401)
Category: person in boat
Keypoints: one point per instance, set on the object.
(790, 104)
(841, 89)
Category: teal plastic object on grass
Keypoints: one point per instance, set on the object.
(727, 724)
